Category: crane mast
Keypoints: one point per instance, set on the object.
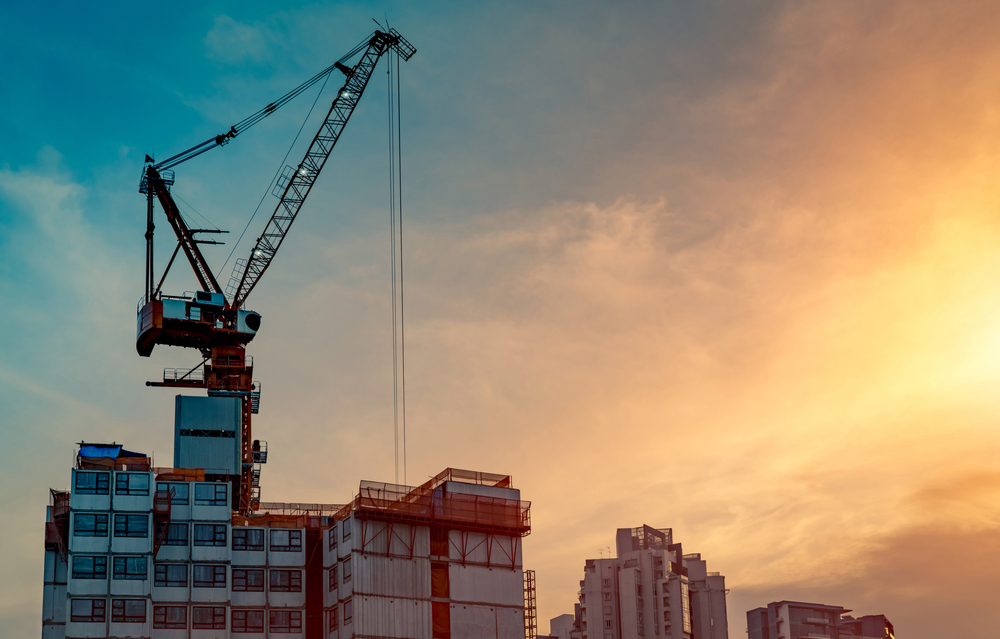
(206, 320)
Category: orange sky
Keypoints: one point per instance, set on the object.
(769, 319)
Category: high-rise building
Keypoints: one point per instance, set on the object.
(801, 620)
(651, 589)
(159, 553)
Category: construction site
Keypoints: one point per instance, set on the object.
(191, 550)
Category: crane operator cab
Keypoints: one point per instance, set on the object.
(199, 319)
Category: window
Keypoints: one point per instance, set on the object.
(209, 576)
(583, 598)
(213, 618)
(286, 581)
(638, 576)
(90, 525)
(85, 567)
(248, 621)
(607, 611)
(347, 534)
(210, 535)
(607, 596)
(170, 617)
(333, 578)
(131, 525)
(638, 590)
(640, 628)
(179, 496)
(285, 621)
(130, 568)
(286, 540)
(347, 571)
(607, 624)
(333, 619)
(128, 610)
(170, 575)
(210, 495)
(92, 484)
(348, 611)
(87, 610)
(248, 539)
(606, 583)
(177, 534)
(246, 580)
(333, 538)
(666, 602)
(131, 483)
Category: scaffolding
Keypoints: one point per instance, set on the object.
(430, 504)
(530, 610)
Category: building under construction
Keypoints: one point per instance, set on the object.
(137, 551)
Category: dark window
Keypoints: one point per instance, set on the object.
(209, 576)
(170, 617)
(210, 535)
(88, 525)
(92, 484)
(179, 492)
(285, 621)
(130, 568)
(177, 534)
(333, 578)
(131, 483)
(210, 495)
(333, 538)
(347, 571)
(348, 611)
(170, 575)
(286, 581)
(248, 621)
(85, 567)
(131, 525)
(87, 610)
(286, 540)
(347, 534)
(213, 618)
(245, 579)
(128, 610)
(333, 619)
(248, 539)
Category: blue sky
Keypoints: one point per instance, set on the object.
(725, 267)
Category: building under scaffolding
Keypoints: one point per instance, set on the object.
(137, 551)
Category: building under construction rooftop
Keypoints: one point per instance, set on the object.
(137, 551)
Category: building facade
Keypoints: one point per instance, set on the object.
(802, 620)
(651, 589)
(133, 551)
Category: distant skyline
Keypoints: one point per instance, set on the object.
(727, 268)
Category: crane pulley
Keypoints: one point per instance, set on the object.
(209, 320)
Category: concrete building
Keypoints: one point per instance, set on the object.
(158, 553)
(801, 620)
(651, 589)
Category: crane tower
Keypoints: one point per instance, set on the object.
(212, 320)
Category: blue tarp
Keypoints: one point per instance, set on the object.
(100, 451)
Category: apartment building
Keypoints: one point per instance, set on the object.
(650, 589)
(803, 620)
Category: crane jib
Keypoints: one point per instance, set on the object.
(302, 180)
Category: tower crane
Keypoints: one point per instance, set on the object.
(212, 320)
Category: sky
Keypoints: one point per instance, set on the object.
(727, 268)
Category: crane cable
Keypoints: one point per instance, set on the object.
(396, 249)
(275, 176)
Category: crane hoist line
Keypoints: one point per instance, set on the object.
(214, 320)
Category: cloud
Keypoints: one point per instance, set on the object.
(231, 41)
